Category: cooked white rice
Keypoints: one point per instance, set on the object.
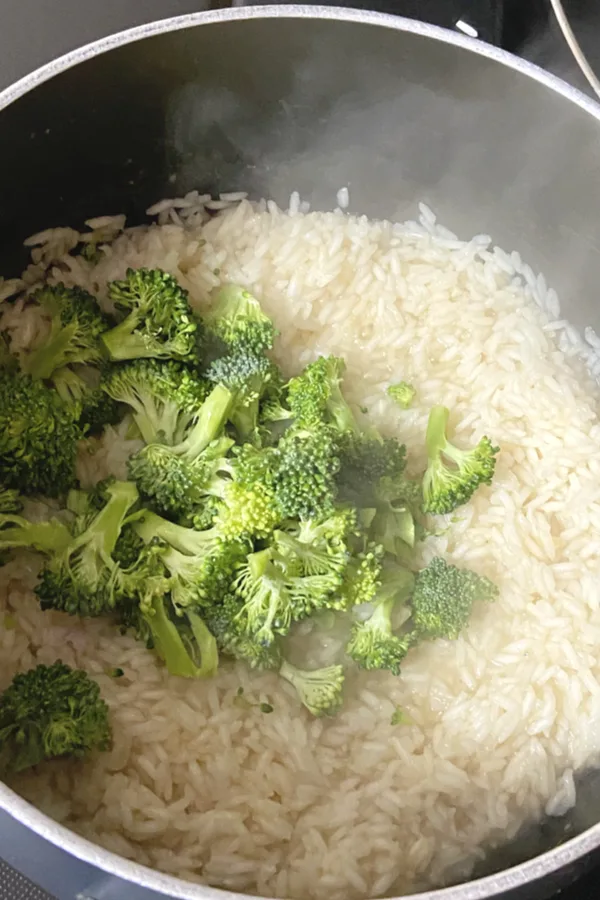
(282, 804)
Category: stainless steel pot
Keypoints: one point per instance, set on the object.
(285, 98)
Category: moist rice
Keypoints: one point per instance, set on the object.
(281, 804)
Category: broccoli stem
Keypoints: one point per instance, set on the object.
(122, 343)
(211, 420)
(185, 540)
(46, 537)
(42, 362)
(340, 412)
(103, 533)
(209, 654)
(435, 439)
(168, 642)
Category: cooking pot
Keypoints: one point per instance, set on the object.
(282, 98)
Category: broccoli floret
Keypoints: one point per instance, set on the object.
(201, 564)
(38, 437)
(164, 396)
(305, 469)
(91, 406)
(235, 317)
(443, 599)
(184, 643)
(175, 478)
(367, 458)
(158, 321)
(274, 593)
(362, 577)
(225, 620)
(267, 607)
(453, 475)
(46, 537)
(402, 393)
(10, 501)
(77, 324)
(174, 484)
(49, 712)
(205, 576)
(373, 644)
(246, 374)
(83, 578)
(318, 546)
(315, 396)
(319, 690)
(98, 410)
(248, 507)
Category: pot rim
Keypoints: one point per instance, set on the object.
(23, 811)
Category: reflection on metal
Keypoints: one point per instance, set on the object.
(574, 45)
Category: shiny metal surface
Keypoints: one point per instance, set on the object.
(281, 98)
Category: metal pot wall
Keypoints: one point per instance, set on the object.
(285, 98)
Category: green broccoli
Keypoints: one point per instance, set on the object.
(246, 374)
(10, 501)
(158, 321)
(373, 644)
(225, 621)
(38, 437)
(163, 395)
(315, 396)
(443, 599)
(320, 690)
(201, 564)
(267, 607)
(49, 712)
(183, 641)
(304, 473)
(91, 406)
(175, 478)
(453, 475)
(318, 546)
(46, 537)
(239, 334)
(98, 410)
(83, 578)
(402, 393)
(76, 326)
(236, 318)
(362, 578)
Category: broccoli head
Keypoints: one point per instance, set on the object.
(49, 712)
(157, 318)
(320, 690)
(453, 475)
(182, 641)
(175, 478)
(38, 437)
(443, 599)
(83, 578)
(315, 396)
(373, 644)
(164, 396)
(305, 470)
(402, 394)
(76, 326)
(236, 318)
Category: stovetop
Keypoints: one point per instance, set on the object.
(524, 27)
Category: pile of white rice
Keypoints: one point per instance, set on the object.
(211, 789)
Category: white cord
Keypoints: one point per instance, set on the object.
(574, 46)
